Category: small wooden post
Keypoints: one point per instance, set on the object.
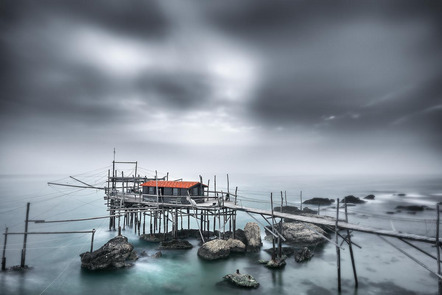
(280, 231)
(4, 250)
(214, 185)
(92, 240)
(119, 231)
(176, 224)
(23, 252)
(273, 225)
(188, 218)
(338, 250)
(144, 223)
(351, 248)
(228, 184)
(234, 214)
(300, 196)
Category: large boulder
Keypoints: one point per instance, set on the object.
(114, 254)
(236, 246)
(253, 236)
(302, 233)
(215, 249)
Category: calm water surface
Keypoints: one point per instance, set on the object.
(56, 263)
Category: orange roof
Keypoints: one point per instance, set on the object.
(172, 184)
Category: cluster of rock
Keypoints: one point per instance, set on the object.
(303, 255)
(275, 262)
(350, 199)
(175, 245)
(319, 201)
(218, 249)
(242, 280)
(116, 253)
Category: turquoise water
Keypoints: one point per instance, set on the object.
(56, 263)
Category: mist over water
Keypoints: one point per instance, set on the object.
(381, 269)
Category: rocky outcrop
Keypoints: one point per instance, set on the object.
(242, 280)
(302, 233)
(275, 262)
(114, 254)
(236, 246)
(213, 250)
(175, 245)
(303, 255)
(319, 201)
(352, 200)
(413, 208)
(369, 197)
(253, 236)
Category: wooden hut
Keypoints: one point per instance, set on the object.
(173, 191)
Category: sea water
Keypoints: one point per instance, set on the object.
(55, 266)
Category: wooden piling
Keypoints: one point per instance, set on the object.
(273, 225)
(92, 240)
(438, 248)
(338, 250)
(353, 264)
(4, 250)
(23, 252)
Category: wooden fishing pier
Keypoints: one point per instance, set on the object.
(157, 205)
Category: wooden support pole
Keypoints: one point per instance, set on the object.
(273, 226)
(300, 197)
(176, 224)
(4, 250)
(280, 230)
(92, 240)
(338, 250)
(438, 248)
(228, 184)
(144, 223)
(234, 214)
(25, 238)
(353, 264)
(285, 196)
(188, 218)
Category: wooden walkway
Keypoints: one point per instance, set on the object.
(342, 225)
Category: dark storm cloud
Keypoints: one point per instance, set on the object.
(41, 77)
(301, 76)
(327, 63)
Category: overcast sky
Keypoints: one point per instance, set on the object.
(301, 87)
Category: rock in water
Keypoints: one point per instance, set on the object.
(353, 200)
(242, 280)
(302, 233)
(212, 250)
(236, 246)
(113, 254)
(253, 236)
(369, 197)
(175, 245)
(319, 201)
(303, 255)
